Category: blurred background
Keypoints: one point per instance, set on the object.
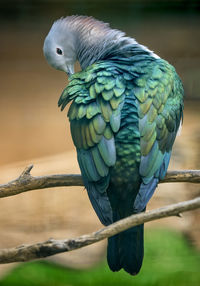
(33, 130)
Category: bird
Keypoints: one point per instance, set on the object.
(126, 110)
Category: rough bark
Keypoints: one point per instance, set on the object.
(26, 182)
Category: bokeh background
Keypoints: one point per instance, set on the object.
(33, 130)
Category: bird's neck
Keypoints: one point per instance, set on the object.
(106, 46)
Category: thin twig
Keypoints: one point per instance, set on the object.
(51, 247)
(26, 182)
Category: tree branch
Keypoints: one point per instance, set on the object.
(182, 176)
(51, 247)
(26, 182)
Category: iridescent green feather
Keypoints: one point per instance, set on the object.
(98, 94)
(153, 94)
(159, 103)
(99, 124)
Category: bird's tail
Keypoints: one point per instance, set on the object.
(126, 250)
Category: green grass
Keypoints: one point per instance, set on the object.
(169, 260)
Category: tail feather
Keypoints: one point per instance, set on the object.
(113, 257)
(126, 250)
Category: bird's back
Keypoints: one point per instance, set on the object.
(124, 119)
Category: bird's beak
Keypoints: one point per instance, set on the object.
(70, 69)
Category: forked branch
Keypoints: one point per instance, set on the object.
(26, 182)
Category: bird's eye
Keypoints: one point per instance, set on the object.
(59, 51)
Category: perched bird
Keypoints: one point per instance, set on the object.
(127, 105)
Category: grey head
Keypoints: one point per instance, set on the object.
(84, 39)
(80, 38)
(59, 47)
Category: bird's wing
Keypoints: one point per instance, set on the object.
(160, 98)
(98, 94)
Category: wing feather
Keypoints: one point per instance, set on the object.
(160, 113)
(94, 116)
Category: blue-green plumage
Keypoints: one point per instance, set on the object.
(124, 121)
(126, 109)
